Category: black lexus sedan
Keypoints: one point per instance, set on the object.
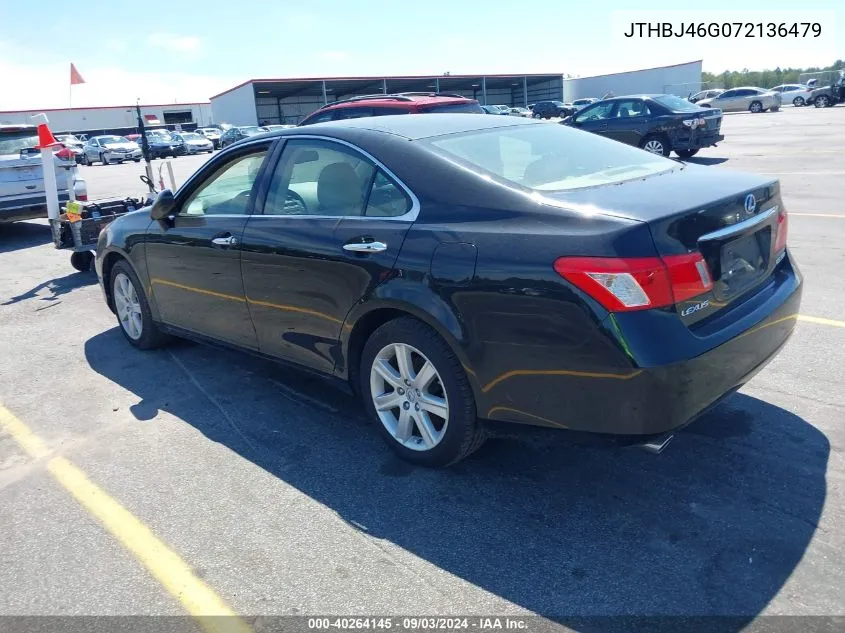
(453, 270)
(164, 145)
(657, 123)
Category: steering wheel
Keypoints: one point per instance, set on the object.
(294, 204)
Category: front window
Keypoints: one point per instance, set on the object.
(596, 113)
(192, 137)
(227, 191)
(464, 108)
(12, 142)
(550, 157)
(676, 104)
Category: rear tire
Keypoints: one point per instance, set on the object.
(133, 309)
(798, 102)
(686, 153)
(424, 438)
(655, 144)
(822, 101)
(756, 107)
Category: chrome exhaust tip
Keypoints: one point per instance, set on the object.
(657, 444)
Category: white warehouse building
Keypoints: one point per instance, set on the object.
(114, 119)
(678, 79)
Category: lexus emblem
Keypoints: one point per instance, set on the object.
(750, 204)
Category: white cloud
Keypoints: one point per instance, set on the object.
(29, 86)
(175, 43)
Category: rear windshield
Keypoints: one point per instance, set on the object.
(676, 104)
(12, 142)
(550, 157)
(469, 108)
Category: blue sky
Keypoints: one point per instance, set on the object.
(186, 51)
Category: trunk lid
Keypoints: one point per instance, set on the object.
(731, 219)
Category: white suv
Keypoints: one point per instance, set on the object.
(22, 194)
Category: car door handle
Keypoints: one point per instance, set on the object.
(365, 247)
(230, 240)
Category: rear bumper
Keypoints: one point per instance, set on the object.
(697, 140)
(644, 399)
(27, 208)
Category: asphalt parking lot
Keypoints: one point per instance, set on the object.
(275, 495)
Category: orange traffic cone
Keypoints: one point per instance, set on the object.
(45, 136)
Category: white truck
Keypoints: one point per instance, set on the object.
(22, 194)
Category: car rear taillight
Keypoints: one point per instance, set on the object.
(783, 229)
(638, 283)
(82, 197)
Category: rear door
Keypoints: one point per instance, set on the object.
(333, 223)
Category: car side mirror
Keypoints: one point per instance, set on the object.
(163, 205)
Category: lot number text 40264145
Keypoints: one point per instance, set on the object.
(766, 30)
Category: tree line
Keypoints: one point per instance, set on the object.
(762, 78)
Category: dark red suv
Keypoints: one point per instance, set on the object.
(403, 103)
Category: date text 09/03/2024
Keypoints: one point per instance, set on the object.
(723, 29)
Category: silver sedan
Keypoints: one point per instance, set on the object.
(744, 99)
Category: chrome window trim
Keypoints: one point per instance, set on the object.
(410, 216)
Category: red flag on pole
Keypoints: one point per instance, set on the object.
(75, 77)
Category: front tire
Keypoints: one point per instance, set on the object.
(798, 102)
(822, 101)
(686, 153)
(655, 145)
(103, 159)
(416, 390)
(756, 107)
(137, 160)
(133, 309)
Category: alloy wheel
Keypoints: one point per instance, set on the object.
(409, 397)
(128, 307)
(654, 146)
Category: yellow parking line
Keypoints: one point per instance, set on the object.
(163, 563)
(820, 321)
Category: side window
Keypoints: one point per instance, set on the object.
(352, 113)
(388, 111)
(322, 117)
(387, 199)
(227, 190)
(631, 108)
(596, 113)
(727, 94)
(745, 93)
(316, 177)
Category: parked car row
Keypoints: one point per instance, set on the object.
(110, 148)
(756, 99)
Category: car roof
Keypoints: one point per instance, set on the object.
(396, 101)
(412, 126)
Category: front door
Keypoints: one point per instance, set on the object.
(332, 226)
(194, 258)
(628, 121)
(594, 118)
